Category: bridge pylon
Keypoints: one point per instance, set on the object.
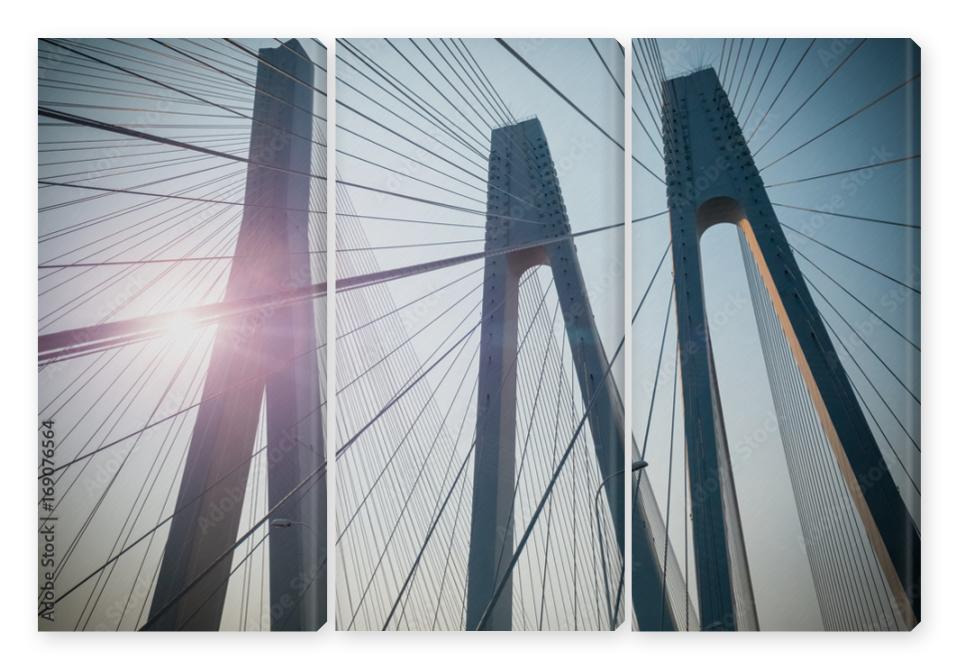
(712, 178)
(250, 365)
(524, 206)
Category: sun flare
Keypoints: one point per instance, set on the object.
(181, 329)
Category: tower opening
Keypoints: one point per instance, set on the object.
(752, 425)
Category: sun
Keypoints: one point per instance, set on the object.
(181, 329)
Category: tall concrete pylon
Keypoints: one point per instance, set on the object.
(712, 178)
(524, 206)
(251, 364)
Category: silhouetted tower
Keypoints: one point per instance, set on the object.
(712, 178)
(251, 359)
(524, 206)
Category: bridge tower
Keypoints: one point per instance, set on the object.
(712, 178)
(524, 206)
(251, 359)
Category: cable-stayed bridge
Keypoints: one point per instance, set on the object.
(181, 226)
(479, 338)
(783, 441)
(480, 426)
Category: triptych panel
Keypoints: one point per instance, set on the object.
(181, 338)
(480, 431)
